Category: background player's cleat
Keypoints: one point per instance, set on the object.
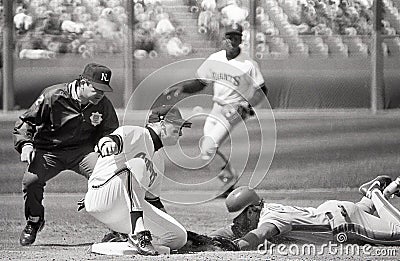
(375, 185)
(28, 235)
(383, 182)
(229, 179)
(228, 174)
(141, 242)
(114, 236)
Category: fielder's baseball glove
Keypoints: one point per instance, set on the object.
(237, 111)
(201, 243)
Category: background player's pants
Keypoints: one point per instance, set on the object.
(45, 166)
(216, 129)
(385, 226)
(110, 203)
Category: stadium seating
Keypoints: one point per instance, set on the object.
(91, 27)
(326, 28)
(306, 28)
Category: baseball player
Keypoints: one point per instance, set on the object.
(59, 132)
(260, 221)
(126, 170)
(238, 86)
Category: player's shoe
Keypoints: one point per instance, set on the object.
(114, 236)
(380, 182)
(141, 242)
(393, 189)
(228, 178)
(28, 235)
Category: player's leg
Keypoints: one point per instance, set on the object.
(136, 184)
(386, 211)
(109, 202)
(43, 167)
(82, 160)
(366, 204)
(215, 131)
(349, 218)
(166, 231)
(118, 204)
(87, 164)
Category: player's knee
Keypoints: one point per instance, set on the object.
(31, 184)
(86, 166)
(137, 166)
(177, 239)
(181, 239)
(208, 148)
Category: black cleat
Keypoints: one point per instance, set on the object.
(28, 235)
(114, 236)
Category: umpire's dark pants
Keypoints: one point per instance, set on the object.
(48, 164)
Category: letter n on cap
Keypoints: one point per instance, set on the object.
(104, 77)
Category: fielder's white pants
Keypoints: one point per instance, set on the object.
(111, 205)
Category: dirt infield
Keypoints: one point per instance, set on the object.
(323, 150)
(68, 233)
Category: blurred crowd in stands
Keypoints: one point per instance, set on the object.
(323, 27)
(47, 28)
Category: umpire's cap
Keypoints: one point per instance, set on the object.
(240, 198)
(170, 114)
(99, 75)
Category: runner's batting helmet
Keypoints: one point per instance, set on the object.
(240, 198)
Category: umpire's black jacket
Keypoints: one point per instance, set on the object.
(57, 121)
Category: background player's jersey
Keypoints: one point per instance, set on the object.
(137, 143)
(234, 80)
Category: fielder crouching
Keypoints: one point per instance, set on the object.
(126, 170)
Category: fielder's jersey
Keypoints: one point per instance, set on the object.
(136, 143)
(234, 80)
(159, 167)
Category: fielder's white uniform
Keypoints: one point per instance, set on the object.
(119, 183)
(383, 226)
(234, 81)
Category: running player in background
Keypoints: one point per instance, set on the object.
(371, 220)
(121, 177)
(59, 132)
(238, 86)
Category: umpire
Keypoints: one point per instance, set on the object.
(59, 132)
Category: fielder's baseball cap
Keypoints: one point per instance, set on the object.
(169, 114)
(234, 29)
(99, 76)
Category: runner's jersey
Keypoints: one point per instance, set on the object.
(285, 217)
(234, 80)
